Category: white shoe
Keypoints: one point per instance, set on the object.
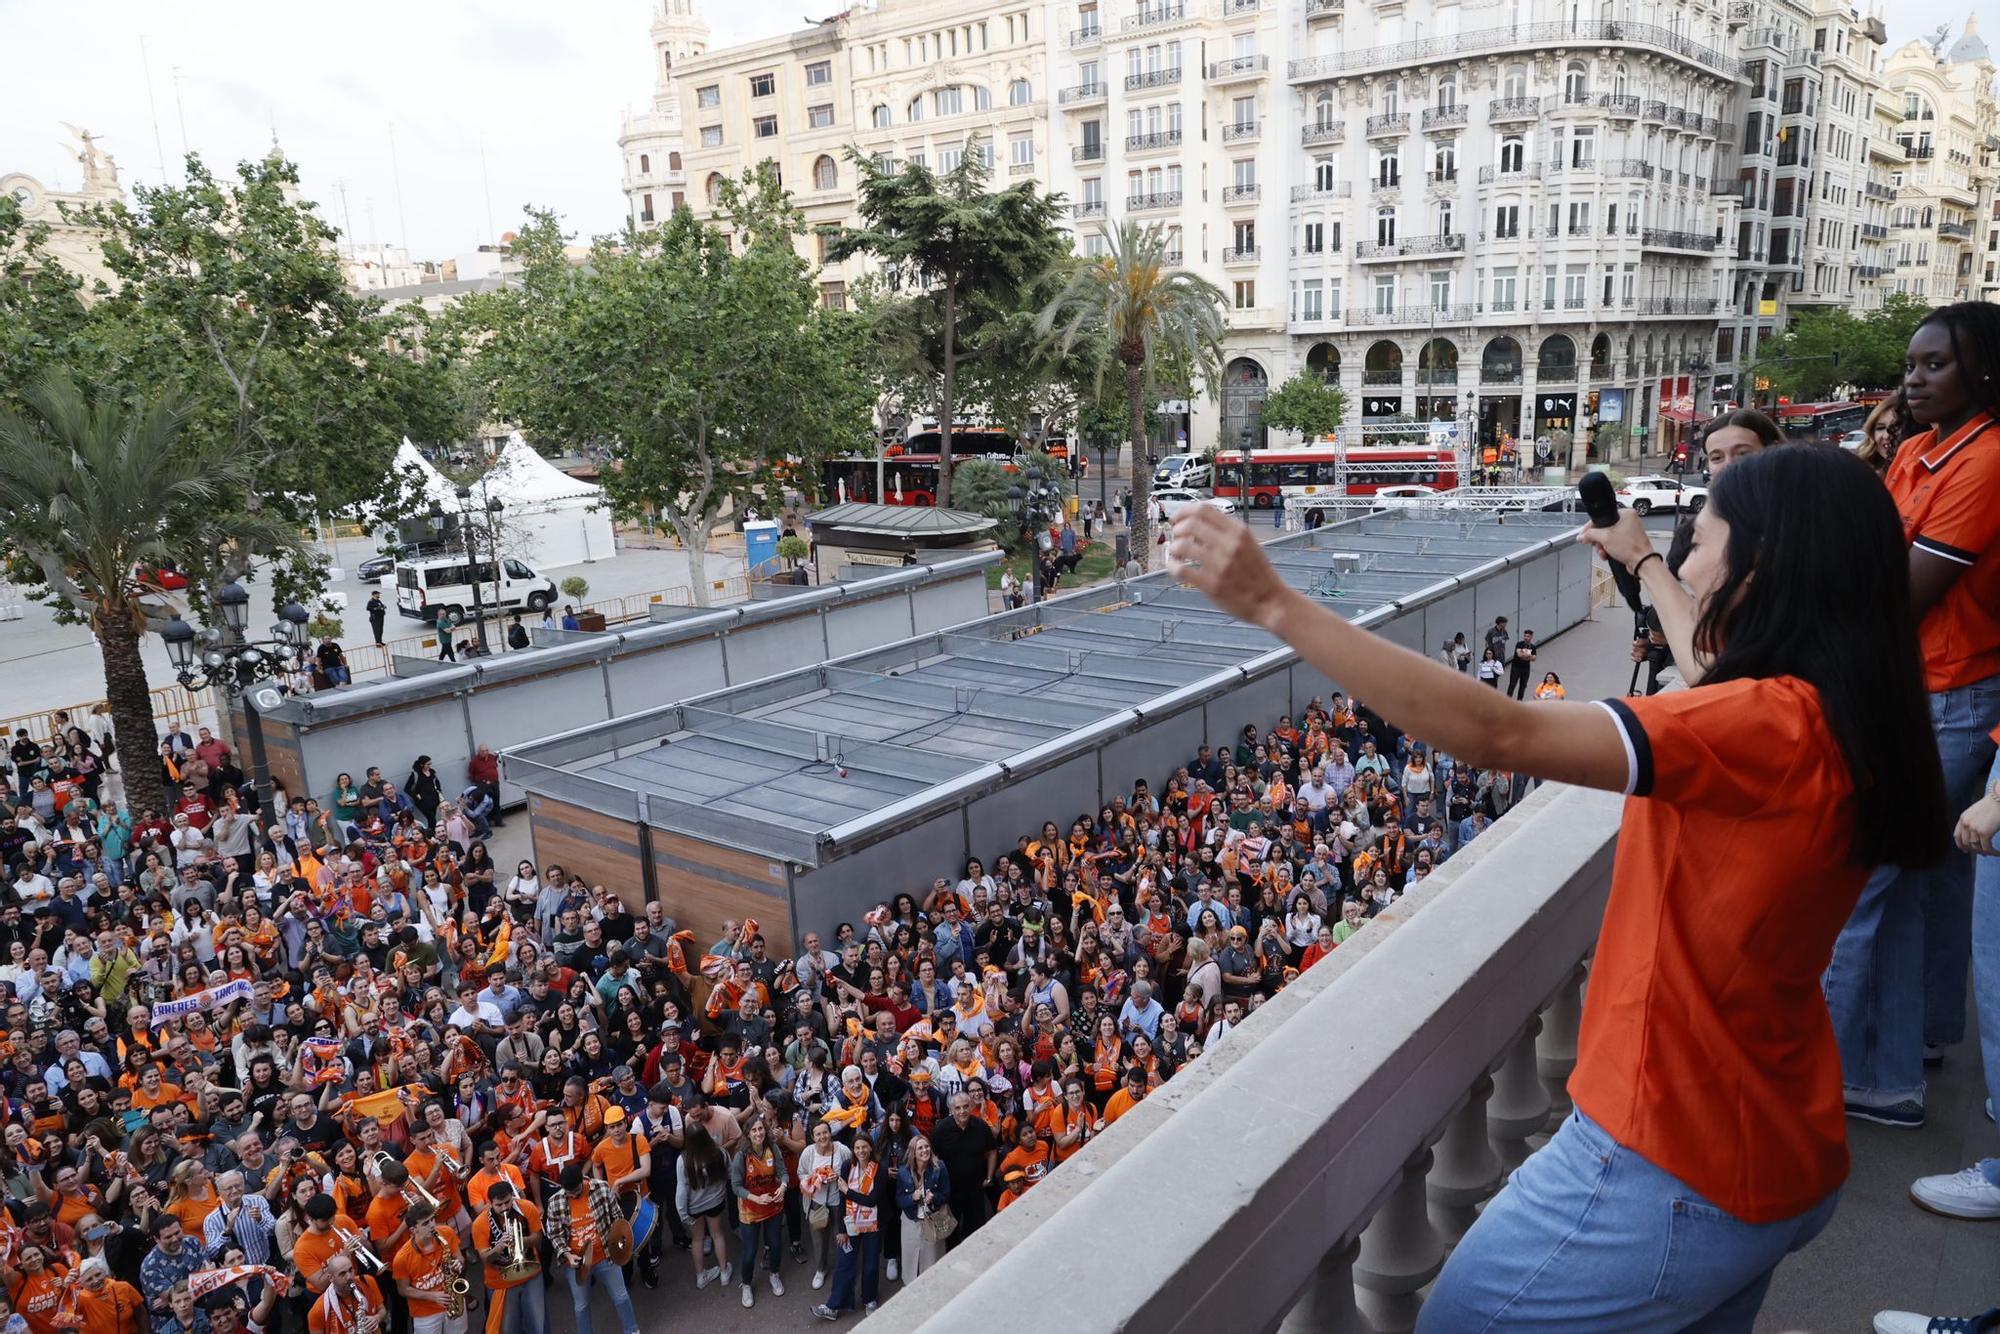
(825, 1312)
(701, 1279)
(892, 1271)
(727, 1270)
(777, 1286)
(1968, 1194)
(819, 1279)
(749, 1297)
(1909, 1322)
(868, 1309)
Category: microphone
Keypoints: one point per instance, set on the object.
(1593, 490)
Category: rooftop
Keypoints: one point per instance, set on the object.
(900, 520)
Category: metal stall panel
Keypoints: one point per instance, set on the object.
(1452, 614)
(758, 651)
(641, 681)
(703, 885)
(392, 739)
(1163, 745)
(844, 889)
(1307, 684)
(855, 627)
(1498, 594)
(527, 708)
(1538, 597)
(997, 821)
(600, 847)
(1261, 702)
(949, 601)
(1573, 584)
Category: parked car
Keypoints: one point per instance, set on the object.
(161, 576)
(1643, 495)
(1411, 496)
(375, 568)
(1171, 500)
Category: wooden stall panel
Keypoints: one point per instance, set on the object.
(703, 885)
(603, 849)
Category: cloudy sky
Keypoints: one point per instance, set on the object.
(488, 104)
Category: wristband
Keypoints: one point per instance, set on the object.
(1651, 555)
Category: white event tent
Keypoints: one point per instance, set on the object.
(548, 518)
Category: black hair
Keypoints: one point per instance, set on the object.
(1817, 586)
(1749, 419)
(1974, 330)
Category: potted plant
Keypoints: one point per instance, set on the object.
(576, 588)
(792, 549)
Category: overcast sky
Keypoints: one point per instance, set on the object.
(535, 89)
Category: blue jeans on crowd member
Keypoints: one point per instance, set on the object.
(1589, 1236)
(527, 1309)
(606, 1275)
(1986, 959)
(1897, 977)
(772, 1232)
(865, 1254)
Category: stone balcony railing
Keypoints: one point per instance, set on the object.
(1358, 1152)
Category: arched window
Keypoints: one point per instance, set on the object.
(1324, 115)
(916, 111)
(1576, 83)
(1392, 97)
(674, 161)
(1514, 83)
(880, 116)
(1619, 81)
(714, 189)
(1513, 153)
(826, 176)
(1447, 96)
(1323, 173)
(1324, 361)
(645, 164)
(1020, 93)
(982, 100)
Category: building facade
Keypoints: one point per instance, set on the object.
(650, 141)
(1513, 217)
(1943, 218)
(77, 248)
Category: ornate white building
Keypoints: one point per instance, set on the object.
(1943, 238)
(78, 249)
(650, 140)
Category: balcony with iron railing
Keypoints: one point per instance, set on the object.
(1312, 136)
(1238, 69)
(1317, 10)
(1505, 110)
(1659, 238)
(1329, 190)
(1237, 8)
(1876, 190)
(1155, 16)
(1242, 194)
(1452, 117)
(1241, 132)
(1443, 176)
(1874, 231)
(1089, 36)
(1413, 247)
(1158, 199)
(1555, 372)
(1741, 11)
(1678, 305)
(1628, 168)
(1961, 231)
(1164, 77)
(1524, 171)
(1242, 254)
(1623, 106)
(1087, 152)
(1083, 94)
(1087, 208)
(1384, 126)
(1523, 36)
(1147, 143)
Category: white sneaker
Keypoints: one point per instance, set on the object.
(825, 1312)
(819, 1279)
(868, 1309)
(1909, 1322)
(701, 1279)
(727, 1270)
(893, 1271)
(749, 1297)
(1968, 1194)
(777, 1285)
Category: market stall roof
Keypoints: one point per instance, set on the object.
(521, 476)
(914, 521)
(419, 477)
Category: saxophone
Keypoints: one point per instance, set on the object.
(456, 1285)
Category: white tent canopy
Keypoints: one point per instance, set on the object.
(416, 472)
(549, 518)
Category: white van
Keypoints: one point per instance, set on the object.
(1170, 468)
(444, 583)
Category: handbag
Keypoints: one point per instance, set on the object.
(938, 1225)
(818, 1217)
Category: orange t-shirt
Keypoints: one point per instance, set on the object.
(38, 1296)
(1118, 1104)
(531, 1230)
(1945, 490)
(483, 1182)
(333, 1317)
(1706, 1046)
(312, 1250)
(446, 1187)
(193, 1210)
(145, 1102)
(70, 1209)
(1055, 1120)
(385, 1216)
(617, 1161)
(584, 1243)
(425, 1272)
(112, 1310)
(1034, 1163)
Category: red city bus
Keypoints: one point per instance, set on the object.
(1820, 421)
(1316, 470)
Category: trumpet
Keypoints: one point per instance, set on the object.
(450, 1161)
(519, 1263)
(357, 1249)
(415, 1193)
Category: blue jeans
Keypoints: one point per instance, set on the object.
(1897, 977)
(772, 1233)
(527, 1309)
(1986, 959)
(606, 1275)
(1589, 1236)
(865, 1255)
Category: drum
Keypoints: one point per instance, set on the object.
(631, 1233)
(644, 1219)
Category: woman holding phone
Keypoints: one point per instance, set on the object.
(1708, 1139)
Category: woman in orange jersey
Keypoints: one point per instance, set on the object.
(1069, 1124)
(1709, 1120)
(35, 1286)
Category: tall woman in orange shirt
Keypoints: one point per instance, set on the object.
(1709, 1139)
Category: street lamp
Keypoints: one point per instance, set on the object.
(1473, 452)
(226, 660)
(471, 542)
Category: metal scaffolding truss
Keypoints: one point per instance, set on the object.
(791, 764)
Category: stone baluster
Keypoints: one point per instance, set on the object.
(1519, 1107)
(1467, 1171)
(1555, 1051)
(1326, 1304)
(1400, 1253)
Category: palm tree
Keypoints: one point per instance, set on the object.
(1150, 313)
(96, 495)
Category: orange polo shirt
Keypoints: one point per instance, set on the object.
(1948, 492)
(425, 1271)
(312, 1250)
(483, 1239)
(1706, 1046)
(618, 1162)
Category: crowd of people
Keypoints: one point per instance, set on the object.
(312, 1071)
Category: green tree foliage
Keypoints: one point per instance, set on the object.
(94, 495)
(43, 320)
(1307, 403)
(961, 263)
(984, 485)
(228, 295)
(1151, 315)
(698, 355)
(1826, 351)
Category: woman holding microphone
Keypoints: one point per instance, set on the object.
(1709, 1138)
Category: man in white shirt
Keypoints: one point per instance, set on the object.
(478, 1017)
(1232, 1015)
(1315, 790)
(33, 886)
(189, 843)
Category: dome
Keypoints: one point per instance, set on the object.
(1970, 46)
